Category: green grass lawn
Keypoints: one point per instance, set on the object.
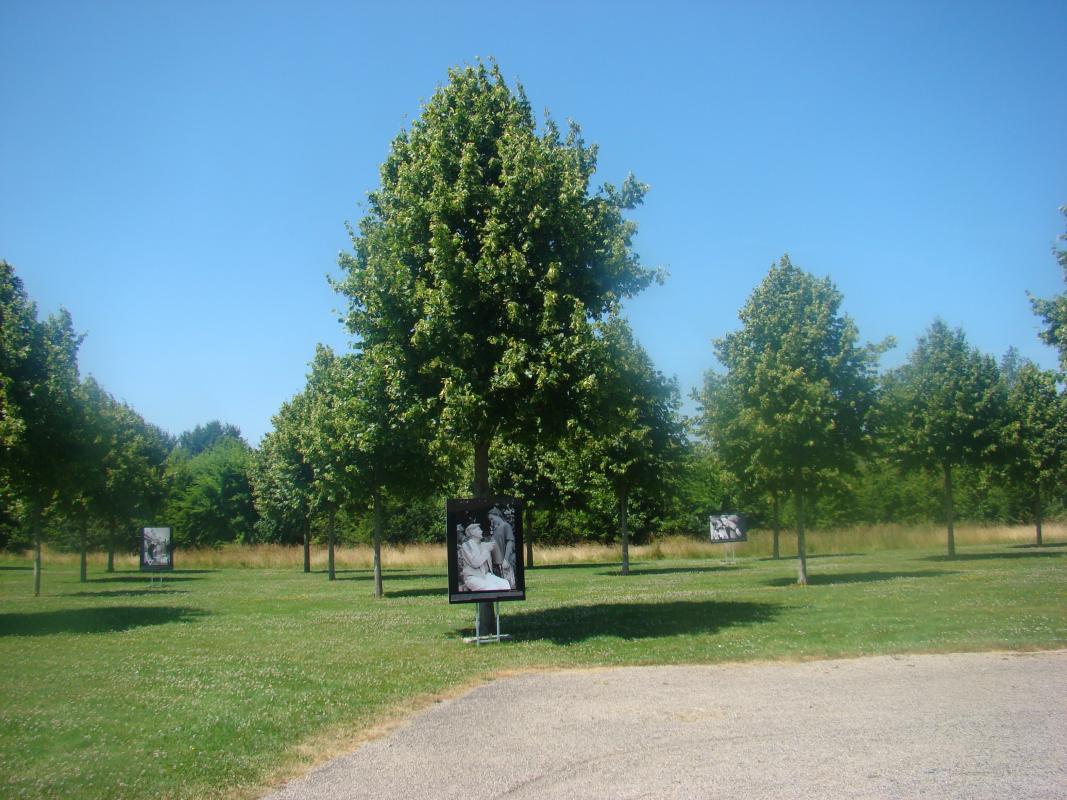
(221, 680)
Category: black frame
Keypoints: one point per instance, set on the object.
(741, 526)
(152, 567)
(465, 511)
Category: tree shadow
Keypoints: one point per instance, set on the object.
(583, 565)
(572, 624)
(392, 576)
(1042, 553)
(126, 593)
(833, 579)
(812, 556)
(1031, 546)
(440, 592)
(142, 577)
(19, 569)
(639, 570)
(94, 620)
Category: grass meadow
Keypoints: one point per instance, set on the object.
(240, 670)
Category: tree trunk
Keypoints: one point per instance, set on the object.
(802, 558)
(950, 512)
(776, 525)
(378, 542)
(1037, 513)
(112, 536)
(37, 558)
(307, 545)
(330, 533)
(480, 486)
(83, 547)
(528, 534)
(625, 532)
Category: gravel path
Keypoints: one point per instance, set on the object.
(968, 726)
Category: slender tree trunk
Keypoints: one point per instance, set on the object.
(480, 486)
(330, 535)
(83, 546)
(111, 537)
(625, 532)
(776, 524)
(378, 542)
(528, 534)
(950, 512)
(802, 558)
(37, 558)
(1037, 514)
(307, 545)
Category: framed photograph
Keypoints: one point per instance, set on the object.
(157, 550)
(726, 528)
(484, 540)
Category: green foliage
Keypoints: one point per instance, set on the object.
(945, 406)
(211, 499)
(483, 258)
(204, 437)
(281, 478)
(1053, 311)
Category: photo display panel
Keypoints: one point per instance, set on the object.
(728, 528)
(157, 550)
(485, 555)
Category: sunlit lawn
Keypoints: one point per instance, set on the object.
(222, 680)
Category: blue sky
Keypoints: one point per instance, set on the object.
(178, 175)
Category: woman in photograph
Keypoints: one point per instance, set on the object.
(476, 563)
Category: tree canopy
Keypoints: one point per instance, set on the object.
(1053, 311)
(483, 258)
(799, 387)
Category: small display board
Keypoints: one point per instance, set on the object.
(727, 528)
(157, 550)
(484, 536)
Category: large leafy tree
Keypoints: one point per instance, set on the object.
(383, 429)
(211, 496)
(945, 410)
(801, 385)
(1036, 436)
(282, 480)
(633, 436)
(1053, 311)
(39, 406)
(483, 258)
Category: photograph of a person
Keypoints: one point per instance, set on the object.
(157, 553)
(484, 540)
(728, 528)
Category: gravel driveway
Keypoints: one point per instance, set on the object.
(990, 725)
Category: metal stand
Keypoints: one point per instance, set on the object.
(478, 639)
(152, 578)
(729, 553)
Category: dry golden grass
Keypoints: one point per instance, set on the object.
(412, 556)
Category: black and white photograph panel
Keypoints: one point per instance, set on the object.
(728, 528)
(157, 552)
(484, 537)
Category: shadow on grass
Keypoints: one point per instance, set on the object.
(390, 576)
(1035, 553)
(126, 592)
(143, 577)
(858, 577)
(19, 569)
(440, 592)
(810, 556)
(93, 620)
(642, 570)
(1031, 546)
(592, 565)
(572, 624)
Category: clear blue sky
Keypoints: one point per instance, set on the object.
(178, 175)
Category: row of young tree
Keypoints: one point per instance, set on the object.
(484, 294)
